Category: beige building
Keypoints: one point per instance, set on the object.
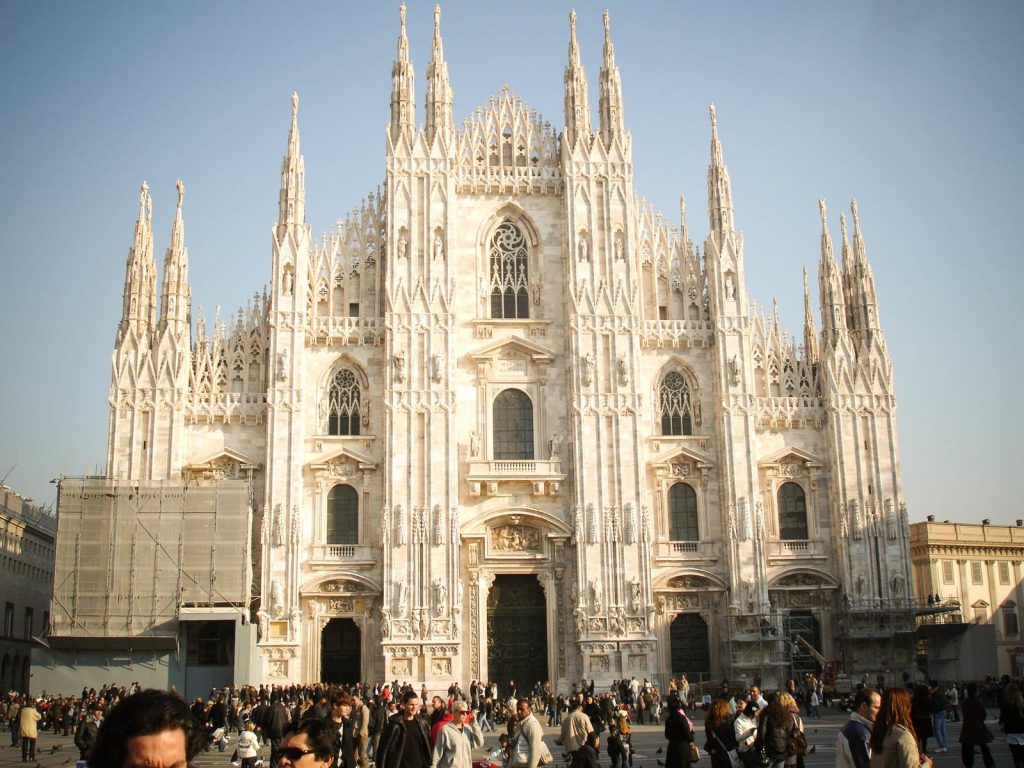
(27, 537)
(505, 393)
(973, 573)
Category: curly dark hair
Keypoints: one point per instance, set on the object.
(143, 714)
(322, 738)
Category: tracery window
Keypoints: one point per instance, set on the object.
(675, 406)
(343, 404)
(792, 513)
(510, 294)
(682, 513)
(513, 426)
(343, 515)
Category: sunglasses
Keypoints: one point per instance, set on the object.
(293, 754)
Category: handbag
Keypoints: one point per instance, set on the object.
(734, 756)
(694, 752)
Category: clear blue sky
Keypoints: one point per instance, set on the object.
(915, 109)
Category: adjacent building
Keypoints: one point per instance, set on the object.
(505, 421)
(27, 538)
(970, 581)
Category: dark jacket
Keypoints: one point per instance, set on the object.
(718, 748)
(774, 736)
(584, 757)
(974, 730)
(679, 735)
(85, 736)
(392, 743)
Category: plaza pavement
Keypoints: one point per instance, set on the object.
(647, 740)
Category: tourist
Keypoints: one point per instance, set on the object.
(528, 748)
(28, 730)
(745, 733)
(405, 740)
(721, 735)
(777, 721)
(1011, 715)
(893, 741)
(587, 755)
(149, 728)
(247, 748)
(457, 738)
(679, 732)
(310, 738)
(618, 742)
(921, 715)
(974, 732)
(575, 727)
(853, 742)
(937, 701)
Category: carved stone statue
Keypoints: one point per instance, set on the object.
(403, 599)
(584, 247)
(734, 370)
(474, 444)
(435, 368)
(588, 369)
(398, 361)
(385, 623)
(623, 372)
(295, 623)
(634, 587)
(276, 599)
(440, 595)
(597, 591)
(277, 527)
(264, 625)
(282, 365)
(730, 286)
(403, 246)
(401, 531)
(438, 247)
(554, 443)
(580, 616)
(620, 251)
(287, 283)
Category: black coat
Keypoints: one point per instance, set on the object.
(679, 735)
(584, 757)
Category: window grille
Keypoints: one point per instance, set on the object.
(343, 404)
(674, 405)
(792, 512)
(682, 509)
(510, 294)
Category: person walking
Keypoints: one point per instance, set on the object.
(575, 727)
(679, 732)
(528, 748)
(778, 720)
(457, 738)
(937, 701)
(974, 732)
(893, 741)
(853, 742)
(247, 746)
(405, 740)
(721, 735)
(28, 730)
(587, 755)
(1011, 715)
(85, 735)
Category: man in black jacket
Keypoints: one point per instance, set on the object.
(405, 741)
(276, 722)
(85, 736)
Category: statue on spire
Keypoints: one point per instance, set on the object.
(181, 192)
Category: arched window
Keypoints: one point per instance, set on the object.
(343, 515)
(513, 426)
(343, 404)
(682, 513)
(510, 286)
(675, 406)
(792, 513)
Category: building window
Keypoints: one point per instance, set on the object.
(9, 620)
(947, 572)
(976, 573)
(980, 612)
(792, 513)
(343, 404)
(682, 513)
(513, 426)
(343, 515)
(1011, 626)
(28, 623)
(210, 643)
(1004, 573)
(510, 286)
(674, 405)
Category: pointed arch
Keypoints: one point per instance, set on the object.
(344, 389)
(676, 399)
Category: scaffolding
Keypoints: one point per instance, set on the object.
(878, 636)
(758, 647)
(131, 555)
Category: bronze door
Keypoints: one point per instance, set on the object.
(340, 646)
(691, 655)
(517, 641)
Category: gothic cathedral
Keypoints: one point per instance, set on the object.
(506, 422)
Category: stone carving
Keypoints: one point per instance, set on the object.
(629, 518)
(904, 520)
(730, 286)
(623, 372)
(385, 623)
(597, 592)
(896, 585)
(516, 538)
(440, 596)
(645, 524)
(598, 663)
(287, 282)
(403, 245)
(844, 522)
(588, 369)
(554, 443)
(398, 361)
(441, 667)
(620, 250)
(401, 531)
(282, 365)
(617, 622)
(474, 444)
(861, 583)
(277, 527)
(438, 525)
(276, 599)
(635, 594)
(296, 524)
(584, 247)
(760, 520)
(733, 523)
(403, 599)
(435, 368)
(295, 623)
(858, 519)
(891, 522)
(734, 370)
(401, 668)
(594, 533)
(456, 526)
(438, 247)
(263, 625)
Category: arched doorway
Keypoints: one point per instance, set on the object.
(517, 637)
(340, 652)
(691, 655)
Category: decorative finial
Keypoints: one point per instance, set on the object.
(295, 103)
(714, 118)
(824, 211)
(181, 192)
(572, 20)
(842, 225)
(807, 285)
(143, 192)
(437, 16)
(401, 15)
(607, 23)
(856, 217)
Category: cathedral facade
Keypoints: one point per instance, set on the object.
(506, 422)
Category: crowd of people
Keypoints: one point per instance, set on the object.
(394, 725)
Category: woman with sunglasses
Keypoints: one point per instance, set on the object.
(309, 744)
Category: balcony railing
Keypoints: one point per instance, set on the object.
(688, 550)
(545, 475)
(796, 549)
(335, 553)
